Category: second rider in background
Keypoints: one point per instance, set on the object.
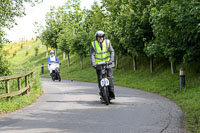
(102, 50)
(52, 58)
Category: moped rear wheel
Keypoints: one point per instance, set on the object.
(105, 95)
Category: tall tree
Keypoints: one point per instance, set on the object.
(176, 28)
(9, 11)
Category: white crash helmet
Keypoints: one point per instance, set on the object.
(100, 34)
(51, 52)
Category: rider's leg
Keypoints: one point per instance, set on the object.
(50, 72)
(111, 87)
(50, 69)
(99, 77)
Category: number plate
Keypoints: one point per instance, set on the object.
(104, 82)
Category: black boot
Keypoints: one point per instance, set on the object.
(112, 93)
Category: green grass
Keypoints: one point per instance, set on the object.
(161, 81)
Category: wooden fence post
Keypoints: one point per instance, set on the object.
(26, 82)
(8, 88)
(32, 75)
(19, 83)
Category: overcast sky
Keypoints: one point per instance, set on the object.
(37, 13)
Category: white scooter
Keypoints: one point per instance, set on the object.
(54, 66)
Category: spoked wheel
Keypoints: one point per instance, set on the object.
(106, 96)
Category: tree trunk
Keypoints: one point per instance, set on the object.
(40, 45)
(55, 51)
(117, 58)
(151, 64)
(63, 55)
(173, 67)
(81, 58)
(134, 63)
(68, 59)
(47, 51)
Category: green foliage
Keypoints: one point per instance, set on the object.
(49, 35)
(80, 44)
(64, 40)
(4, 66)
(175, 26)
(9, 10)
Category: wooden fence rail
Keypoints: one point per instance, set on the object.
(21, 90)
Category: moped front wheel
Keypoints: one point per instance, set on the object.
(106, 96)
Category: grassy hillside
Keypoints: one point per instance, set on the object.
(161, 81)
(18, 55)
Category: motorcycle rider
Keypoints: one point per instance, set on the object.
(52, 57)
(102, 50)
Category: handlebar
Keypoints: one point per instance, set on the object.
(103, 63)
(53, 61)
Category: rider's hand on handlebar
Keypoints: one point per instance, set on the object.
(94, 66)
(60, 63)
(110, 62)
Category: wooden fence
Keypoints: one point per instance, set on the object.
(28, 84)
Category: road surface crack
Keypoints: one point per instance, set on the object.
(170, 116)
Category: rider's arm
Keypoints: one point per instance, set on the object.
(92, 56)
(57, 59)
(49, 60)
(112, 52)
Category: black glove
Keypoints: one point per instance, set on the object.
(94, 66)
(60, 63)
(110, 62)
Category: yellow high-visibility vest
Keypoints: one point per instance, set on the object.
(101, 55)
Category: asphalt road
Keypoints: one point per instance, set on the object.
(74, 107)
